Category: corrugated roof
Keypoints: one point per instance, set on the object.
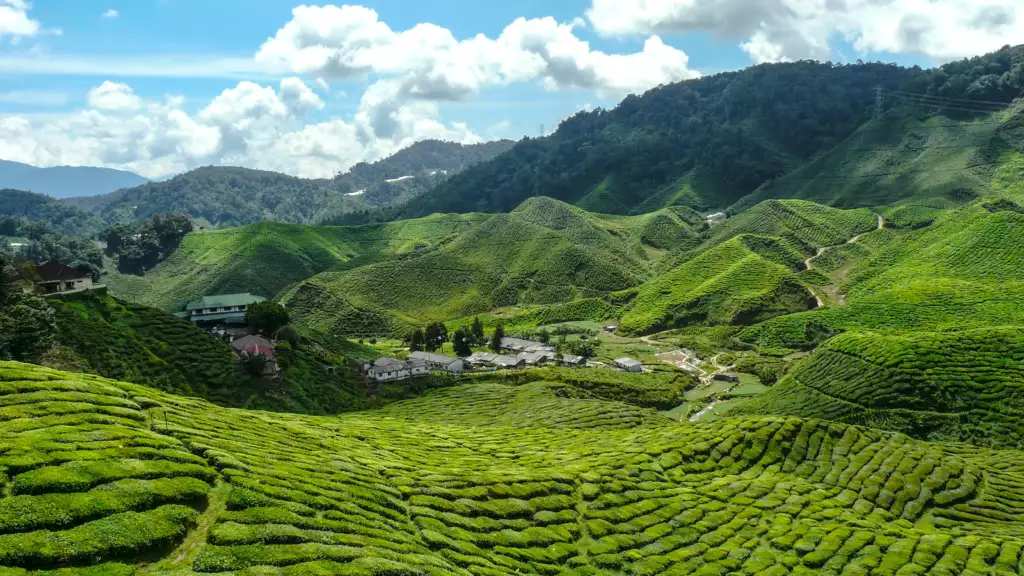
(233, 317)
(435, 358)
(224, 301)
(246, 341)
(53, 271)
(628, 362)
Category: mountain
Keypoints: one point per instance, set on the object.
(107, 477)
(220, 196)
(708, 143)
(66, 181)
(54, 213)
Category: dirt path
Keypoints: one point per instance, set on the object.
(823, 249)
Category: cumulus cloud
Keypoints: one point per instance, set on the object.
(114, 96)
(247, 125)
(111, 13)
(14, 20)
(776, 30)
(427, 62)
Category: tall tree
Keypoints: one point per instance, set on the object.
(477, 331)
(497, 337)
(417, 341)
(27, 327)
(266, 317)
(461, 341)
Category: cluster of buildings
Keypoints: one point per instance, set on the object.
(516, 355)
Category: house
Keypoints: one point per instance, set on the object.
(717, 218)
(249, 346)
(418, 367)
(56, 278)
(389, 369)
(574, 361)
(536, 358)
(223, 309)
(726, 377)
(440, 362)
(629, 365)
(518, 345)
(482, 359)
(611, 329)
(504, 362)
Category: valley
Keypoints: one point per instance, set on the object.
(765, 322)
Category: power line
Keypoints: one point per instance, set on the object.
(966, 101)
(948, 106)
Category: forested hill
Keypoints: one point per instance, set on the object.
(229, 196)
(708, 142)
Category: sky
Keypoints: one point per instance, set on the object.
(159, 87)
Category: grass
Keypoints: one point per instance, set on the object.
(497, 478)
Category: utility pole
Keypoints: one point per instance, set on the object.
(878, 102)
(541, 130)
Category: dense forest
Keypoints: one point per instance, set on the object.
(221, 196)
(55, 214)
(721, 135)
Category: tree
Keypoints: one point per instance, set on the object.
(585, 347)
(497, 337)
(543, 336)
(461, 341)
(255, 364)
(477, 332)
(27, 326)
(266, 317)
(435, 335)
(417, 341)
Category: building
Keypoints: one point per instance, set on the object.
(503, 362)
(223, 309)
(611, 329)
(56, 278)
(629, 365)
(726, 377)
(574, 361)
(518, 345)
(418, 367)
(389, 369)
(249, 346)
(717, 218)
(536, 358)
(440, 362)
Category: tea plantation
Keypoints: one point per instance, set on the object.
(102, 477)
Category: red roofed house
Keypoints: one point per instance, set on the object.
(248, 346)
(55, 278)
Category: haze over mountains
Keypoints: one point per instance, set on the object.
(66, 181)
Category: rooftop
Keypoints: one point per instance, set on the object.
(431, 357)
(224, 301)
(246, 341)
(628, 362)
(53, 271)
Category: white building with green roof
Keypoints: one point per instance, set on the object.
(223, 309)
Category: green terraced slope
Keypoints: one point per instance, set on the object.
(106, 478)
(941, 162)
(101, 335)
(961, 386)
(265, 258)
(742, 281)
(962, 271)
(806, 226)
(544, 252)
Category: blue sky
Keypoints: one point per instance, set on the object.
(152, 49)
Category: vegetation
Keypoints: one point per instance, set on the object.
(266, 317)
(140, 246)
(66, 219)
(26, 321)
(568, 485)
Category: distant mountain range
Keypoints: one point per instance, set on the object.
(66, 181)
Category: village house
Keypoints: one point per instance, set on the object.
(249, 346)
(481, 358)
(389, 369)
(224, 309)
(56, 278)
(717, 218)
(503, 362)
(518, 346)
(629, 365)
(440, 362)
(418, 367)
(574, 361)
(536, 358)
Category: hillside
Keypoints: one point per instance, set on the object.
(54, 213)
(265, 258)
(953, 386)
(543, 252)
(66, 181)
(707, 143)
(221, 196)
(164, 484)
(101, 335)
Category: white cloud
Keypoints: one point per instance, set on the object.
(39, 98)
(14, 20)
(111, 13)
(114, 96)
(247, 125)
(775, 30)
(427, 62)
